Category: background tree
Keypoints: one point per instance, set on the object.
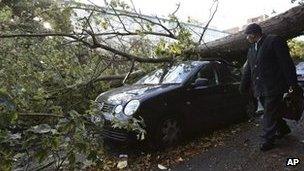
(296, 49)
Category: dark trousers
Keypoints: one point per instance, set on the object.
(272, 119)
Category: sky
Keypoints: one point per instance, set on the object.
(230, 13)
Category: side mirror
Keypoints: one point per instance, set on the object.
(201, 82)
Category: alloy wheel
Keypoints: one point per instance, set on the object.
(170, 132)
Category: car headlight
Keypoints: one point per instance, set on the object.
(118, 109)
(131, 107)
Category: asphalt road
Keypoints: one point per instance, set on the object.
(241, 152)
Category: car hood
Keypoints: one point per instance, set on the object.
(126, 93)
(300, 71)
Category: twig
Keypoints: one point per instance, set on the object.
(77, 35)
(41, 114)
(174, 12)
(46, 166)
(207, 25)
(130, 15)
(129, 73)
(120, 20)
(28, 159)
(96, 66)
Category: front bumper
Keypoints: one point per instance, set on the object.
(110, 134)
(107, 132)
(119, 135)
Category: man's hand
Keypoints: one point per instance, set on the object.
(295, 89)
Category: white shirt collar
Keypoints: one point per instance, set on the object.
(256, 44)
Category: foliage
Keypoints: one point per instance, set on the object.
(296, 49)
(135, 125)
(47, 83)
(41, 117)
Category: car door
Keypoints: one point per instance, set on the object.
(232, 101)
(203, 102)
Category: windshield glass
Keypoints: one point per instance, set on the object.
(174, 75)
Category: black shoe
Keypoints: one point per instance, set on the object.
(283, 132)
(267, 146)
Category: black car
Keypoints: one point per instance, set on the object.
(186, 97)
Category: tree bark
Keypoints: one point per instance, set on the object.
(288, 25)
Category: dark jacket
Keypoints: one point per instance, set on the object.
(269, 70)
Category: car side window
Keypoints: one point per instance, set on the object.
(208, 73)
(224, 74)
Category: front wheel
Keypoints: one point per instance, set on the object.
(169, 132)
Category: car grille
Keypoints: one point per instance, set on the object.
(107, 108)
(118, 134)
(115, 134)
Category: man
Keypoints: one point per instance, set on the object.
(270, 72)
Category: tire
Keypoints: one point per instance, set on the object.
(170, 132)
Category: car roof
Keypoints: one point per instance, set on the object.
(206, 61)
(192, 62)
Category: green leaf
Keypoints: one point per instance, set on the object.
(41, 155)
(5, 14)
(72, 160)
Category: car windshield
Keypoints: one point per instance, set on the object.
(174, 75)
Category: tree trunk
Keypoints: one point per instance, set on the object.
(288, 25)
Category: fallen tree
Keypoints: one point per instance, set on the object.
(288, 25)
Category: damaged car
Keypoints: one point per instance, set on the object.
(184, 98)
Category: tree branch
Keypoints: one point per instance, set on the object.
(177, 8)
(41, 114)
(129, 15)
(207, 25)
(97, 45)
(120, 20)
(117, 77)
(72, 35)
(129, 73)
(132, 57)
(102, 78)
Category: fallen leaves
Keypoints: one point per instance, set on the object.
(123, 161)
(174, 156)
(161, 167)
(180, 159)
(177, 155)
(122, 164)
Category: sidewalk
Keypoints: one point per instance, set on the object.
(241, 152)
